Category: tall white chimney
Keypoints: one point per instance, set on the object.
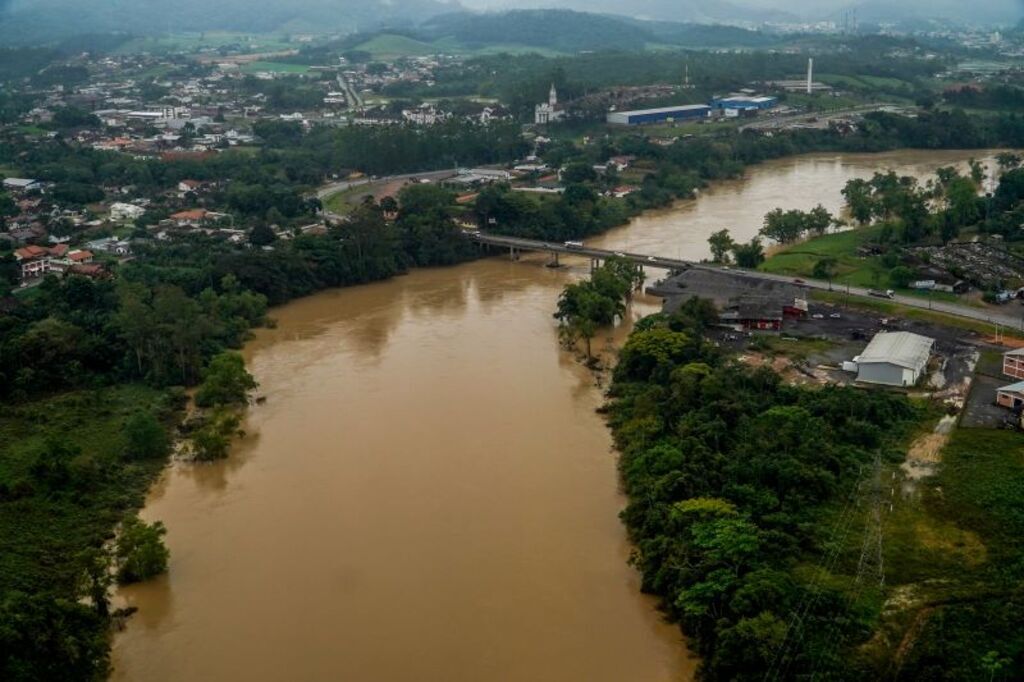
(810, 75)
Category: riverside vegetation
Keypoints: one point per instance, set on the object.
(749, 501)
(90, 370)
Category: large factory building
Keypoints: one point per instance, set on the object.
(689, 112)
(744, 103)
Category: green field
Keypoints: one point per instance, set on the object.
(346, 201)
(799, 259)
(194, 42)
(274, 67)
(861, 82)
(390, 45)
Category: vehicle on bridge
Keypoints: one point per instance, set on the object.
(888, 293)
(573, 245)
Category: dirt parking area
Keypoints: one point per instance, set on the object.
(981, 411)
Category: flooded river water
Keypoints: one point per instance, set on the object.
(428, 493)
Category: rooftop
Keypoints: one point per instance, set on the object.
(1013, 388)
(665, 110)
(898, 348)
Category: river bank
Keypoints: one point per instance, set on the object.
(428, 488)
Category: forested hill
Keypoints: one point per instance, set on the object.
(561, 30)
(43, 21)
(569, 31)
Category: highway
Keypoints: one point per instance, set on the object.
(997, 317)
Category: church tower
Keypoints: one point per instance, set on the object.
(552, 96)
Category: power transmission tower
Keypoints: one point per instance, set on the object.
(870, 566)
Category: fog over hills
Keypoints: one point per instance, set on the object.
(25, 21)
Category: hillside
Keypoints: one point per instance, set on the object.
(36, 21)
(560, 30)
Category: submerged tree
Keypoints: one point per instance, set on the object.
(140, 550)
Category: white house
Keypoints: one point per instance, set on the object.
(122, 212)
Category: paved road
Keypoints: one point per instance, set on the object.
(342, 185)
(1010, 315)
(822, 117)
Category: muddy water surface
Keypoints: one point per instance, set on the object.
(428, 493)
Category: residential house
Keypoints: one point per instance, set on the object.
(1013, 363)
(191, 218)
(122, 212)
(1011, 396)
(34, 260)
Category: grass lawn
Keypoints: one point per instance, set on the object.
(693, 128)
(799, 259)
(346, 201)
(194, 42)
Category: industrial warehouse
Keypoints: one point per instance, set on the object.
(688, 112)
(894, 359)
(733, 105)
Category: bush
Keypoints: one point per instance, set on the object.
(141, 553)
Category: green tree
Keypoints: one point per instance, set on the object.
(721, 244)
(825, 268)
(145, 437)
(859, 200)
(212, 440)
(262, 235)
(140, 550)
(225, 382)
(749, 255)
(901, 276)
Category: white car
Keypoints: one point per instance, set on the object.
(835, 316)
(818, 316)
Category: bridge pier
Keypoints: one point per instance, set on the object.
(513, 253)
(554, 260)
(595, 263)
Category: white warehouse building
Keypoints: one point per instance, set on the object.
(894, 359)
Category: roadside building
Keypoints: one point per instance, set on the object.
(1013, 363)
(894, 359)
(1011, 396)
(744, 103)
(690, 112)
(754, 314)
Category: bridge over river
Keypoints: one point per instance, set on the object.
(1011, 315)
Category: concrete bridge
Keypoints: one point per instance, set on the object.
(1009, 316)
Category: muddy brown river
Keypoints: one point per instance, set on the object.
(428, 493)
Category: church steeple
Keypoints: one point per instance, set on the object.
(552, 96)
